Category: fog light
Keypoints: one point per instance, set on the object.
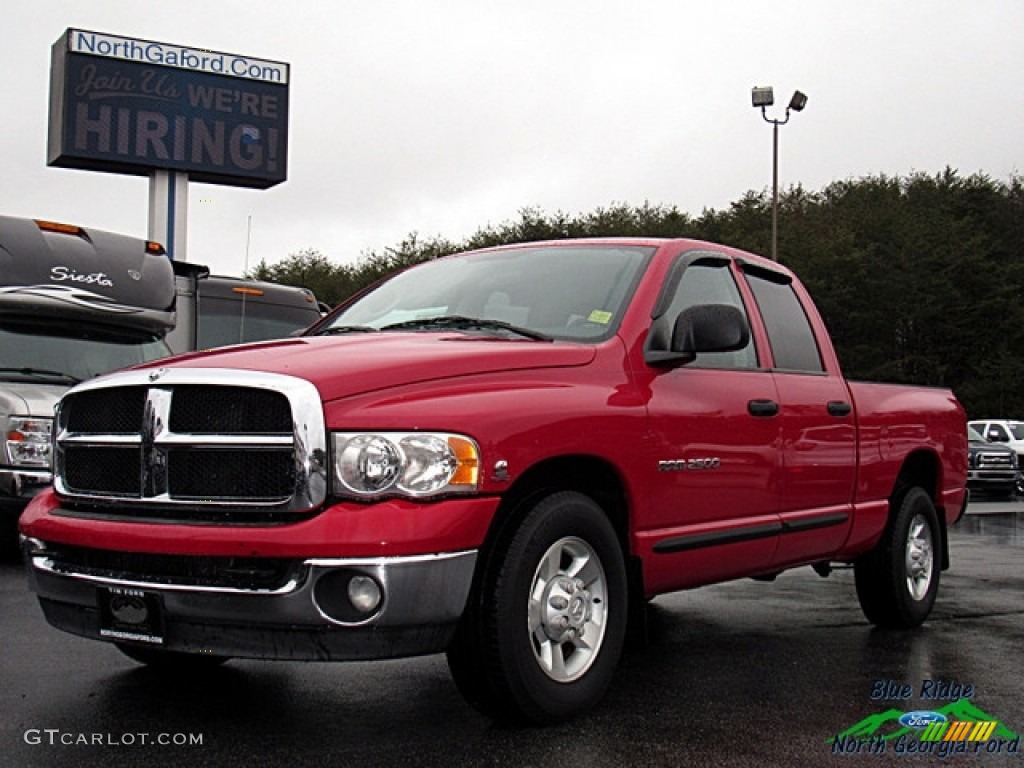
(348, 596)
(364, 593)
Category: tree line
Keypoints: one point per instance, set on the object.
(919, 278)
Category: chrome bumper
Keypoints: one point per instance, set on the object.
(308, 618)
(990, 477)
(18, 486)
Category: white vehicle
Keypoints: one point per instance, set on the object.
(1005, 431)
(74, 303)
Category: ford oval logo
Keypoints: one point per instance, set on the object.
(921, 718)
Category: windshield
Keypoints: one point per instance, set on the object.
(563, 292)
(26, 356)
(974, 435)
(236, 320)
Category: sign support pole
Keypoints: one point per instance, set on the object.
(168, 212)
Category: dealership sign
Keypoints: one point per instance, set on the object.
(125, 105)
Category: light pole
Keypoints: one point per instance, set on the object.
(762, 97)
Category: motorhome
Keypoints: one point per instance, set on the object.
(74, 303)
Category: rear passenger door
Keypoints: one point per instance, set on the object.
(818, 461)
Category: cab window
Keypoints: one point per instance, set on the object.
(711, 282)
(997, 434)
(789, 331)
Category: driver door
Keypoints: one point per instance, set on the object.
(715, 434)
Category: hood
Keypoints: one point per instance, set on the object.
(985, 445)
(25, 398)
(342, 366)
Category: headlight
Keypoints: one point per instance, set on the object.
(410, 463)
(28, 440)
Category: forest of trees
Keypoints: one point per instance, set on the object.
(920, 279)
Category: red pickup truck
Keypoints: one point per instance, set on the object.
(500, 455)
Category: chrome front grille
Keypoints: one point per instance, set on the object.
(996, 460)
(169, 439)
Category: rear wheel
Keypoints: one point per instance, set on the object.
(898, 580)
(541, 637)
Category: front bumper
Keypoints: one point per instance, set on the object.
(18, 486)
(992, 479)
(305, 617)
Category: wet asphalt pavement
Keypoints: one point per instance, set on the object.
(740, 674)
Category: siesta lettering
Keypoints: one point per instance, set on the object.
(60, 274)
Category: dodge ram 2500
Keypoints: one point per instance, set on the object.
(499, 455)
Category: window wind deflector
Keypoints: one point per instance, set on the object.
(765, 273)
(463, 323)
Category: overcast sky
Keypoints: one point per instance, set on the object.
(443, 116)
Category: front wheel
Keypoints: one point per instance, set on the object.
(898, 580)
(541, 637)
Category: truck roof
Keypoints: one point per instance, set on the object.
(674, 245)
(222, 287)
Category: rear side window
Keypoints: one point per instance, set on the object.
(789, 331)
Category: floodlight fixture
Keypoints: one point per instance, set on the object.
(762, 96)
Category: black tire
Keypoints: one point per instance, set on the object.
(175, 662)
(898, 580)
(542, 635)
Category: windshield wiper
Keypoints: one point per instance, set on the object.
(339, 329)
(42, 373)
(463, 323)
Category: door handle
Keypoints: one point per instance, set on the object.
(763, 408)
(839, 408)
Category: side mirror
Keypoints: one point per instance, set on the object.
(703, 328)
(709, 328)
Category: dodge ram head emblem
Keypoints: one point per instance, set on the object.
(129, 609)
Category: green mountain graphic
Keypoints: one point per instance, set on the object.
(882, 725)
(871, 725)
